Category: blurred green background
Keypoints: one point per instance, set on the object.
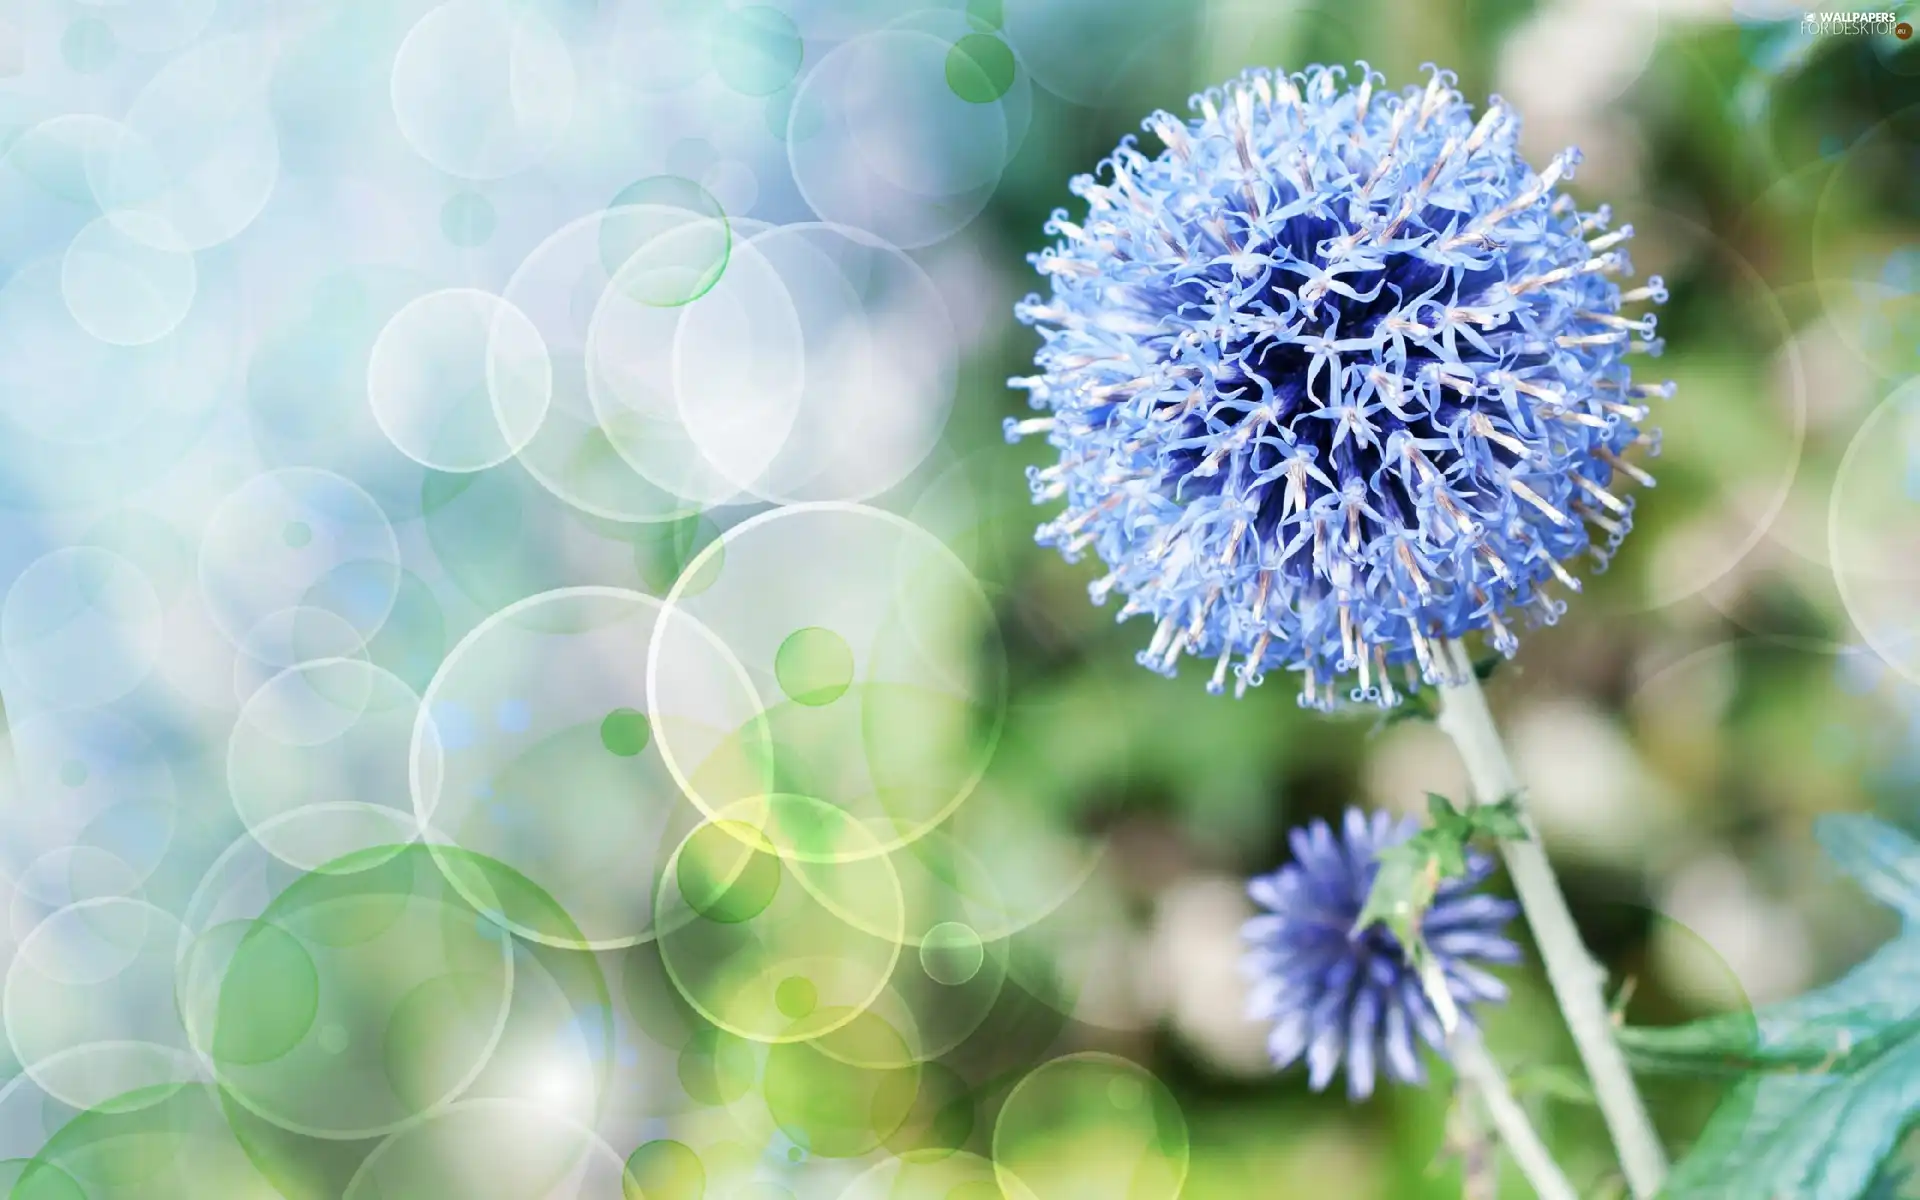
(892, 863)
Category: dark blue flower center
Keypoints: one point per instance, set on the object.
(1378, 941)
(1285, 364)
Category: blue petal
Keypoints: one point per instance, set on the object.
(1323, 1054)
(1403, 1061)
(1474, 943)
(1471, 985)
(1420, 1011)
(1361, 1035)
(1289, 1039)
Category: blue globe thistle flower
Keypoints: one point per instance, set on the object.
(1334, 375)
(1333, 994)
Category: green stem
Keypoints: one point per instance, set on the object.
(1576, 978)
(1477, 1069)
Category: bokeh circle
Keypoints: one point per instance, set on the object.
(900, 744)
(538, 745)
(1874, 530)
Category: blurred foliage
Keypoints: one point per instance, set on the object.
(1826, 1088)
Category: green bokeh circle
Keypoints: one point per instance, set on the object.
(666, 240)
(1090, 1124)
(796, 997)
(664, 1170)
(897, 752)
(814, 666)
(951, 953)
(716, 1067)
(367, 993)
(980, 68)
(625, 732)
(723, 876)
(32, 1179)
(831, 1108)
(268, 998)
(153, 1144)
(740, 942)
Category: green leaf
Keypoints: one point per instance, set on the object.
(1410, 873)
(1832, 1078)
(1449, 856)
(1403, 889)
(1500, 820)
(1885, 861)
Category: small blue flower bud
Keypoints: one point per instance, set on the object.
(1334, 994)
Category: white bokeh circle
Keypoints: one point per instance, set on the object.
(88, 1002)
(198, 155)
(459, 380)
(128, 290)
(536, 746)
(328, 737)
(581, 452)
(697, 413)
(878, 139)
(294, 541)
(876, 380)
(80, 627)
(483, 88)
(876, 651)
(1874, 530)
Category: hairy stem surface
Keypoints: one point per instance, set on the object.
(1576, 978)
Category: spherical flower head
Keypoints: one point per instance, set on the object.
(1335, 995)
(1334, 375)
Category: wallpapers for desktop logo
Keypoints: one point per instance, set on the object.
(1856, 24)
